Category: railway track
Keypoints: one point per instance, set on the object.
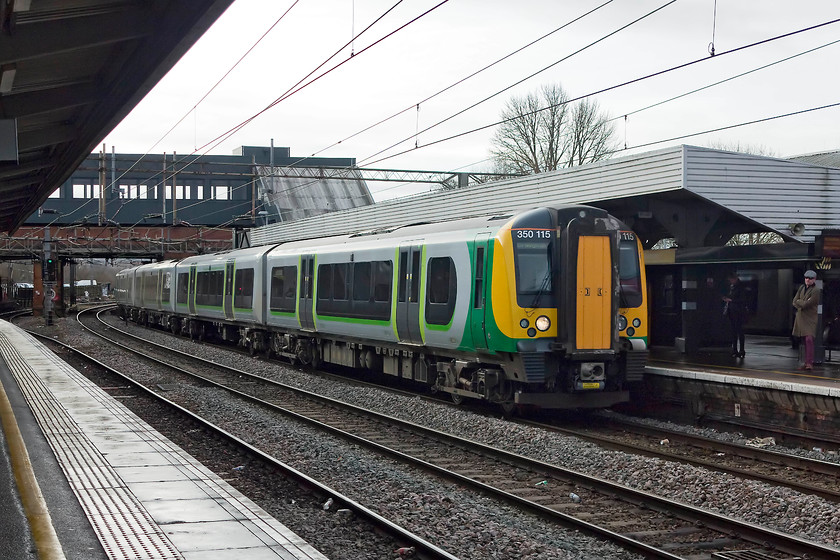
(809, 476)
(638, 520)
(196, 426)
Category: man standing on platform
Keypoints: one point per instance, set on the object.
(805, 301)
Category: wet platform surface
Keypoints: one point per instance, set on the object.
(767, 358)
(143, 497)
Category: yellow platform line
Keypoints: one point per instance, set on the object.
(40, 522)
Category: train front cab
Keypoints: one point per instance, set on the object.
(566, 307)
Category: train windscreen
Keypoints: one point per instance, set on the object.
(533, 255)
(630, 278)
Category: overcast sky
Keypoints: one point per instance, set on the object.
(463, 36)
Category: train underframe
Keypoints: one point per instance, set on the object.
(538, 380)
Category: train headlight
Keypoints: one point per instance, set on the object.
(631, 331)
(542, 323)
(622, 322)
(637, 322)
(523, 323)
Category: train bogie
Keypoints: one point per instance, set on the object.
(546, 308)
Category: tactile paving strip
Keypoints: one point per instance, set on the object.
(97, 439)
(121, 523)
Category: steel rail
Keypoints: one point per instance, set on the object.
(750, 532)
(423, 549)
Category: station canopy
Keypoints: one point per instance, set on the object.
(698, 197)
(70, 71)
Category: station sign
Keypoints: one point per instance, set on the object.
(827, 244)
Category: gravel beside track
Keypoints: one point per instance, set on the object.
(464, 522)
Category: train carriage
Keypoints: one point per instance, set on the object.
(222, 292)
(545, 308)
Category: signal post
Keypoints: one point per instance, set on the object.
(47, 280)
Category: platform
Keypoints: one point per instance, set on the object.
(765, 388)
(772, 360)
(139, 495)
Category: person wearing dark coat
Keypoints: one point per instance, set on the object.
(806, 302)
(736, 309)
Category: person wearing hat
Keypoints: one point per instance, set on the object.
(806, 301)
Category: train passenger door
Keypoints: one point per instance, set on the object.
(228, 296)
(594, 293)
(480, 282)
(306, 292)
(191, 289)
(408, 294)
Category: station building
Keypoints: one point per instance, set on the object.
(244, 189)
(686, 203)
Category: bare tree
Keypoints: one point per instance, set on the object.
(754, 149)
(759, 238)
(529, 140)
(591, 134)
(543, 132)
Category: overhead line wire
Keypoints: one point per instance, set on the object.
(464, 79)
(292, 90)
(616, 86)
(508, 87)
(741, 75)
(219, 81)
(764, 67)
(728, 127)
(645, 77)
(231, 131)
(555, 63)
(276, 22)
(606, 89)
(709, 131)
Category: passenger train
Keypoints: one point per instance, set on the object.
(542, 309)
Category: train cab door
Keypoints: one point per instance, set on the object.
(594, 293)
(228, 295)
(408, 294)
(191, 289)
(479, 299)
(306, 292)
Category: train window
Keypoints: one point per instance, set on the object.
(383, 273)
(150, 287)
(403, 283)
(415, 276)
(307, 278)
(325, 282)
(167, 287)
(339, 284)
(630, 279)
(438, 274)
(440, 296)
(361, 281)
(209, 286)
(182, 287)
(369, 297)
(478, 301)
(283, 283)
(243, 297)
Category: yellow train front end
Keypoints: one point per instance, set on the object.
(569, 303)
